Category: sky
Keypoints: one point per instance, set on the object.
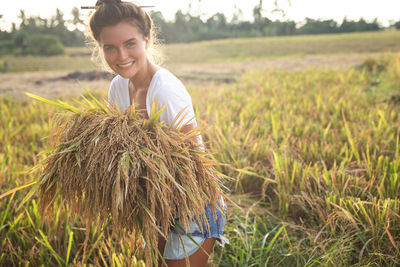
(385, 10)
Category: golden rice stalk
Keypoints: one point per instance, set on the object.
(129, 169)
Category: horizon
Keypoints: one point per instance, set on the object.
(385, 11)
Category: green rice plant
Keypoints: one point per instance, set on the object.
(252, 242)
(317, 149)
(228, 50)
(125, 167)
(327, 143)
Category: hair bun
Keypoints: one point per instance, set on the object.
(102, 2)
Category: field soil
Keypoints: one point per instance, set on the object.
(341, 61)
(54, 84)
(47, 84)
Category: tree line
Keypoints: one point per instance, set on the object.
(188, 28)
(48, 36)
(42, 36)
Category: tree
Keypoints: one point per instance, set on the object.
(31, 22)
(44, 44)
(13, 28)
(59, 19)
(217, 21)
(58, 28)
(257, 14)
(163, 28)
(43, 23)
(237, 15)
(180, 25)
(278, 28)
(313, 26)
(396, 25)
(359, 26)
(22, 17)
(4, 35)
(76, 17)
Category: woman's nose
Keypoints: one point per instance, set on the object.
(122, 54)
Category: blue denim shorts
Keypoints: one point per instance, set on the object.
(180, 240)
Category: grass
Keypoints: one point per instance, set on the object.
(229, 50)
(234, 50)
(137, 177)
(327, 145)
(315, 157)
(59, 63)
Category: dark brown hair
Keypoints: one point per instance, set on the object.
(112, 12)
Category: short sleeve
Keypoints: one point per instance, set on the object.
(177, 101)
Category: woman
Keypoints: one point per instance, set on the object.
(124, 34)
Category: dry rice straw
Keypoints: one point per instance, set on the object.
(131, 167)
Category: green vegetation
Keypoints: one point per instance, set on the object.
(272, 47)
(184, 28)
(42, 44)
(59, 62)
(228, 50)
(319, 150)
(188, 28)
(41, 36)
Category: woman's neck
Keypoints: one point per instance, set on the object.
(143, 77)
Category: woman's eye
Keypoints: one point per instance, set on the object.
(130, 44)
(108, 48)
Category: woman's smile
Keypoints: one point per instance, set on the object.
(126, 65)
(124, 48)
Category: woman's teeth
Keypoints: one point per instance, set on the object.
(126, 65)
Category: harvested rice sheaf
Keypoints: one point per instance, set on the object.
(131, 167)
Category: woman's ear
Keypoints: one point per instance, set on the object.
(147, 40)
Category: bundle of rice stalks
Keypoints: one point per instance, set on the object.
(129, 169)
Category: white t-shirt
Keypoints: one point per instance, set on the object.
(164, 87)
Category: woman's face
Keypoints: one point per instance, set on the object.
(124, 48)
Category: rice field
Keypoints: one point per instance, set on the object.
(229, 51)
(314, 154)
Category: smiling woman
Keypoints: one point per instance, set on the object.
(101, 21)
(124, 49)
(124, 34)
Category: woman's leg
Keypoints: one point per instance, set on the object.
(197, 259)
(161, 246)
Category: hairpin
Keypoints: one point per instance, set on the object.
(94, 7)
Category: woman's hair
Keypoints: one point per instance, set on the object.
(112, 12)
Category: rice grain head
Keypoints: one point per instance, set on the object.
(143, 174)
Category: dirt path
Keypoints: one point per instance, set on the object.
(193, 75)
(16, 84)
(286, 64)
(200, 75)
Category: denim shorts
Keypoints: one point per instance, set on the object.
(180, 240)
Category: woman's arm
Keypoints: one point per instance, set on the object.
(187, 128)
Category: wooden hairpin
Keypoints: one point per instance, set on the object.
(94, 7)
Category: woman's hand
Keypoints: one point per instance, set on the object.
(187, 128)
